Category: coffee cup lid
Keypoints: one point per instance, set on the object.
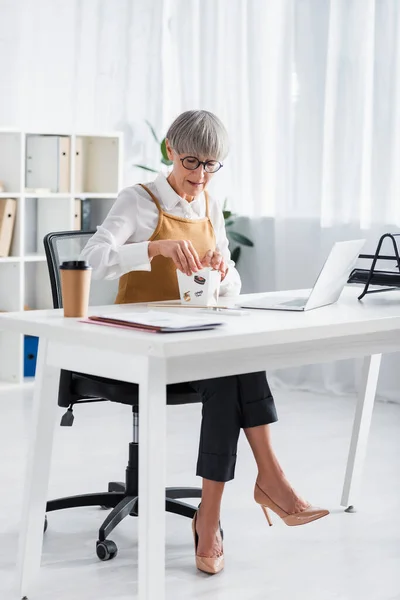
(75, 265)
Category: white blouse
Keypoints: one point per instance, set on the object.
(121, 243)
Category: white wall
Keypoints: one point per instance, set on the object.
(63, 63)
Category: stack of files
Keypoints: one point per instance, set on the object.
(8, 208)
(155, 322)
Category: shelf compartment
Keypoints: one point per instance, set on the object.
(96, 165)
(10, 286)
(10, 342)
(42, 216)
(93, 211)
(37, 290)
(48, 164)
(10, 162)
(11, 352)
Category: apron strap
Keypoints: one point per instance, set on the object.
(157, 203)
(152, 196)
(207, 204)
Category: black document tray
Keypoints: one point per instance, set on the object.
(386, 280)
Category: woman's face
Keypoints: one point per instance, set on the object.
(187, 183)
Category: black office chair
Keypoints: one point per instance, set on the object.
(76, 388)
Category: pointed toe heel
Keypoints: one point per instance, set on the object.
(309, 514)
(210, 565)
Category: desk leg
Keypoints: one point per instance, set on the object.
(361, 426)
(37, 470)
(152, 478)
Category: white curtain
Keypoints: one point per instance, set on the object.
(308, 89)
(310, 92)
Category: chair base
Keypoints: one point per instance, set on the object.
(122, 505)
(123, 498)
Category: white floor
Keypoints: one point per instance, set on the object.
(343, 557)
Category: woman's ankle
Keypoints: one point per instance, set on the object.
(208, 517)
(210, 506)
(282, 493)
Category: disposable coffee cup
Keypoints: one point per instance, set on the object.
(75, 287)
(201, 288)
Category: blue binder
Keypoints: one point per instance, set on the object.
(30, 355)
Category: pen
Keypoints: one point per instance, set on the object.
(179, 305)
(234, 312)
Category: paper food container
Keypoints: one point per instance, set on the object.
(201, 288)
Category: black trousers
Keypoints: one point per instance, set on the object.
(229, 404)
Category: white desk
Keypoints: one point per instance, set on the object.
(265, 340)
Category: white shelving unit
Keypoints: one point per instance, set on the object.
(94, 173)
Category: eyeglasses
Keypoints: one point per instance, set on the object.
(192, 163)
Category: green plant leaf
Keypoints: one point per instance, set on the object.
(240, 239)
(163, 148)
(227, 214)
(167, 161)
(235, 254)
(229, 223)
(152, 131)
(146, 168)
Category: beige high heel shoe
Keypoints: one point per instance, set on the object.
(311, 513)
(213, 565)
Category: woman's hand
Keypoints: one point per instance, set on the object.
(182, 253)
(215, 260)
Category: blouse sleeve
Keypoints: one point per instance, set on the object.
(107, 251)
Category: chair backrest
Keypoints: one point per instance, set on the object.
(68, 245)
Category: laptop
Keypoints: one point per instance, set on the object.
(328, 286)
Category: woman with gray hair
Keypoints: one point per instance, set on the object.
(172, 223)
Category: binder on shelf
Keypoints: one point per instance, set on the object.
(48, 163)
(386, 280)
(8, 209)
(31, 344)
(64, 161)
(86, 220)
(77, 214)
(79, 182)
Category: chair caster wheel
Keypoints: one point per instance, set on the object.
(45, 524)
(106, 550)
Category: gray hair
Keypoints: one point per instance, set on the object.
(199, 133)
